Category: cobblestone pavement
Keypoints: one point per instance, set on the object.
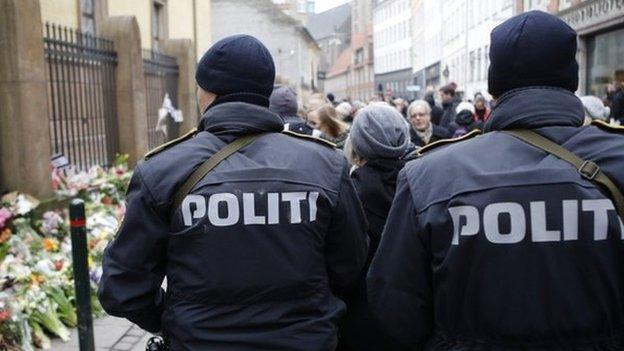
(111, 334)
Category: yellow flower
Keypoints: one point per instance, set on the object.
(50, 244)
(36, 279)
(5, 235)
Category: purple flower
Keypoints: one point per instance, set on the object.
(5, 215)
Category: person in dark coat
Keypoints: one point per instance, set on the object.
(436, 111)
(514, 250)
(423, 131)
(464, 123)
(283, 101)
(261, 247)
(379, 138)
(617, 103)
(482, 111)
(449, 103)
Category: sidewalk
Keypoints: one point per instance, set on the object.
(111, 334)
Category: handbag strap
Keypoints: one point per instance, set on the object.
(209, 165)
(586, 168)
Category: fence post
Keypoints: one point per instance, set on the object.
(183, 51)
(24, 133)
(130, 85)
(77, 220)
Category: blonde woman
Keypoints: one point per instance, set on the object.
(327, 120)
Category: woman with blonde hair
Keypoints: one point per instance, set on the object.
(327, 120)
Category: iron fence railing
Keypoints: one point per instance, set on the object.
(80, 71)
(161, 77)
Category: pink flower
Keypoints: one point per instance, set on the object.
(5, 215)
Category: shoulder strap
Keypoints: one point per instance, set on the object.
(209, 165)
(588, 169)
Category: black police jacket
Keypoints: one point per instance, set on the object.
(256, 253)
(492, 244)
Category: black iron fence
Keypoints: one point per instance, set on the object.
(161, 78)
(81, 96)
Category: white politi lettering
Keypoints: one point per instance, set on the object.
(539, 227)
(600, 208)
(471, 214)
(200, 208)
(232, 207)
(194, 207)
(312, 199)
(249, 210)
(570, 219)
(273, 208)
(294, 199)
(491, 224)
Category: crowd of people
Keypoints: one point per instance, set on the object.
(271, 239)
(430, 121)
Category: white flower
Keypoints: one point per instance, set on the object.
(23, 205)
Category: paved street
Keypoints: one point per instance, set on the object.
(111, 334)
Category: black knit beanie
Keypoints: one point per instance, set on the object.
(532, 49)
(237, 64)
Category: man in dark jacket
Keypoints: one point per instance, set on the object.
(436, 111)
(617, 103)
(449, 103)
(515, 250)
(260, 247)
(423, 131)
(283, 101)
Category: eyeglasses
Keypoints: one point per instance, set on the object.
(418, 115)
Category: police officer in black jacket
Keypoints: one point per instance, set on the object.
(494, 244)
(258, 251)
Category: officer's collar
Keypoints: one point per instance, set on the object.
(239, 118)
(536, 107)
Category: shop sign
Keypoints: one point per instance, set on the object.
(592, 12)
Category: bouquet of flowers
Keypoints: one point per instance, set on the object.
(36, 283)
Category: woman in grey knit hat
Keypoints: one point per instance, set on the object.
(594, 109)
(378, 140)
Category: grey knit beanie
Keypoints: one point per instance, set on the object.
(594, 108)
(379, 132)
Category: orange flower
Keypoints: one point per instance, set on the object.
(106, 200)
(92, 243)
(50, 244)
(5, 235)
(36, 279)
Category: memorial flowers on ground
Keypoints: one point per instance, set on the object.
(36, 285)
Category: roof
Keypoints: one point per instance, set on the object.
(324, 24)
(268, 6)
(358, 40)
(342, 63)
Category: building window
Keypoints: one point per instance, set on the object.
(472, 66)
(487, 60)
(359, 56)
(158, 24)
(604, 63)
(301, 6)
(478, 65)
(87, 17)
